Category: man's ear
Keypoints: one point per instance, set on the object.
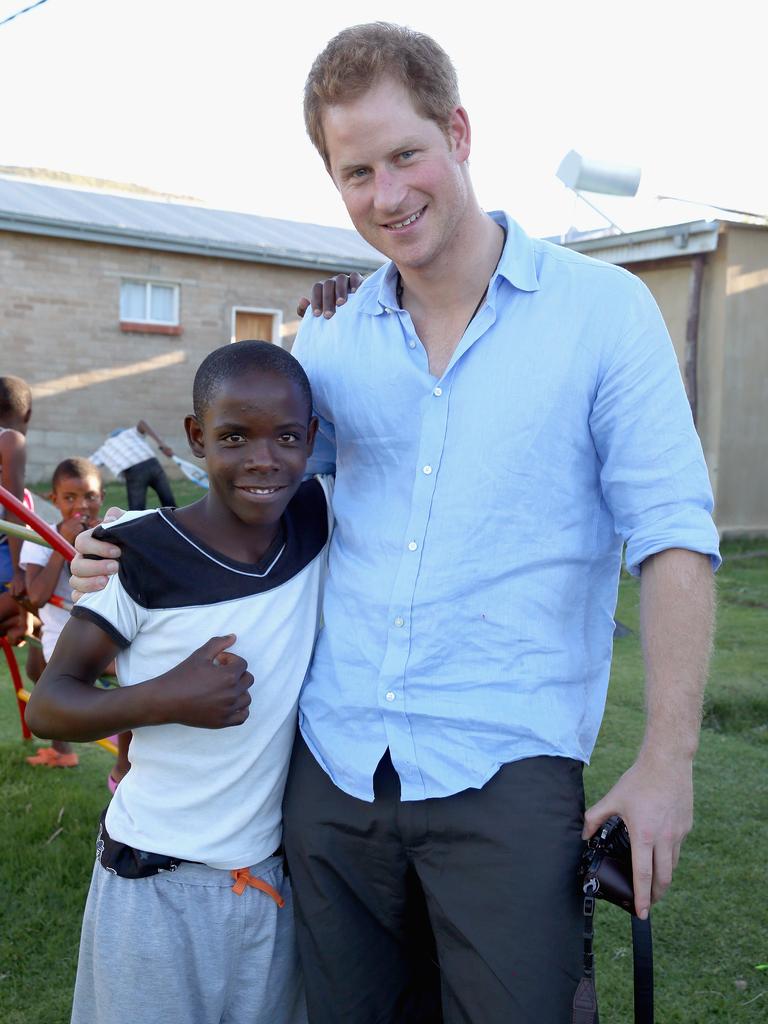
(460, 134)
(194, 432)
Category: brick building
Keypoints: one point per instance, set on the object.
(110, 302)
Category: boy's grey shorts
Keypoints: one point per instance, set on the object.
(181, 948)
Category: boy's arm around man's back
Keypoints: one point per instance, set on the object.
(208, 690)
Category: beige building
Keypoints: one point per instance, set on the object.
(710, 280)
(109, 303)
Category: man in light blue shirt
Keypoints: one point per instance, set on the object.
(503, 415)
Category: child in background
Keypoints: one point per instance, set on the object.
(77, 493)
(125, 453)
(189, 916)
(15, 412)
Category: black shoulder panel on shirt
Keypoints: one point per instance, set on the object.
(163, 567)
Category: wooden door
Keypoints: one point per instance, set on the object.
(253, 326)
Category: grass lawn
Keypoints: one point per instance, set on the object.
(710, 931)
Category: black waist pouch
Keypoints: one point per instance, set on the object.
(128, 862)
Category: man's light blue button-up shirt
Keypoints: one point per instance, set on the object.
(480, 517)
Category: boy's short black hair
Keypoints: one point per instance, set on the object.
(74, 468)
(239, 358)
(15, 397)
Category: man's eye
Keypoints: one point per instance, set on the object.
(288, 438)
(359, 172)
(407, 154)
(234, 439)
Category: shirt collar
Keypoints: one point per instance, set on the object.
(517, 265)
(518, 257)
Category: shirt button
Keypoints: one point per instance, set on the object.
(427, 470)
(389, 696)
(437, 392)
(399, 621)
(387, 309)
(411, 344)
(412, 545)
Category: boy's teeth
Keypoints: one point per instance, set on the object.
(410, 220)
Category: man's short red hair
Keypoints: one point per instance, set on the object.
(360, 56)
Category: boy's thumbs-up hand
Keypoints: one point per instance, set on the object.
(209, 689)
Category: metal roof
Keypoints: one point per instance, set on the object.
(122, 220)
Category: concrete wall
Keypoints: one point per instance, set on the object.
(59, 329)
(743, 476)
(732, 367)
(670, 283)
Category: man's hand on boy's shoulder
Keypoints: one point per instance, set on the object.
(93, 564)
(208, 690)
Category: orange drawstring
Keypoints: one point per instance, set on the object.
(243, 877)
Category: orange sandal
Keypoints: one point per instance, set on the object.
(51, 758)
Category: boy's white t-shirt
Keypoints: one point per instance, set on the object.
(212, 795)
(53, 619)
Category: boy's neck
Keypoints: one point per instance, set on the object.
(218, 527)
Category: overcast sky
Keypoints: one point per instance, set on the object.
(205, 99)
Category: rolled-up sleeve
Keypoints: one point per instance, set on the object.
(654, 478)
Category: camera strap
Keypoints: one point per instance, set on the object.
(585, 1000)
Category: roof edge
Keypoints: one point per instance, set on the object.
(670, 241)
(52, 227)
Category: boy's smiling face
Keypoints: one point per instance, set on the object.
(256, 436)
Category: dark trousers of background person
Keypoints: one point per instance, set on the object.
(143, 475)
(464, 909)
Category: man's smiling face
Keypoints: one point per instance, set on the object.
(402, 179)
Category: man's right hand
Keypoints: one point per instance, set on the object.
(329, 294)
(92, 565)
(208, 690)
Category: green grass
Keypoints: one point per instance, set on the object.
(710, 930)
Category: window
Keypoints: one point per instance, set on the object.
(257, 323)
(149, 306)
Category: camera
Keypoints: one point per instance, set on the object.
(606, 865)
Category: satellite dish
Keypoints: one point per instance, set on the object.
(584, 175)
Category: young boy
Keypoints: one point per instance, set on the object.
(15, 413)
(125, 453)
(77, 493)
(188, 894)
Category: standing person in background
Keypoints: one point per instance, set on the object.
(125, 453)
(15, 413)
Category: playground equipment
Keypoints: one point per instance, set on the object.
(39, 532)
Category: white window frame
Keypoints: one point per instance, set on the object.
(148, 283)
(277, 321)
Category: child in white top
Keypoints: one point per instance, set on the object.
(77, 493)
